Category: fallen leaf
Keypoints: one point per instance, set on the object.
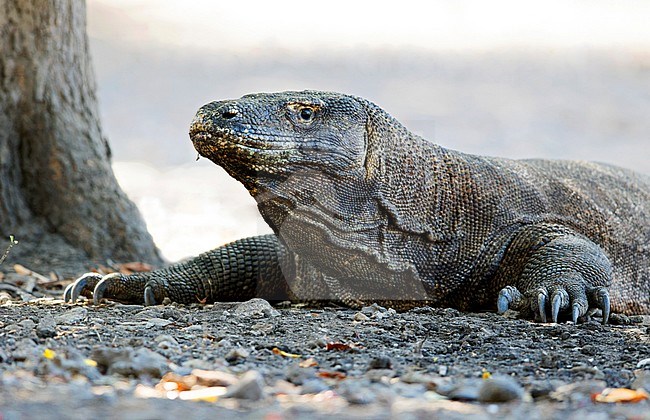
(285, 354)
(338, 346)
(49, 354)
(620, 395)
(331, 374)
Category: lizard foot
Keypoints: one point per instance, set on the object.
(114, 286)
(566, 297)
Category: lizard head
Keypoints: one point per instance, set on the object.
(267, 137)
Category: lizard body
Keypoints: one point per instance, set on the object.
(365, 211)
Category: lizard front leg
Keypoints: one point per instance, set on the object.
(562, 273)
(241, 270)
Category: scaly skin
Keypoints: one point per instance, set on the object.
(365, 211)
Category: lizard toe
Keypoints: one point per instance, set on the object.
(598, 297)
(540, 310)
(149, 296)
(559, 302)
(509, 298)
(106, 285)
(84, 285)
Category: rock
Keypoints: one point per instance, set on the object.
(297, 375)
(643, 363)
(129, 362)
(249, 387)
(319, 343)
(579, 391)
(360, 317)
(46, 327)
(73, 316)
(500, 389)
(236, 355)
(372, 310)
(24, 349)
(642, 380)
(543, 388)
(464, 391)
(166, 338)
(357, 392)
(380, 362)
(255, 308)
(157, 322)
(27, 324)
(313, 386)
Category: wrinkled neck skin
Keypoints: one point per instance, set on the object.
(376, 214)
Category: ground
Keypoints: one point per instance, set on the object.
(60, 360)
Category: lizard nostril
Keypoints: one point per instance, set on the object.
(229, 114)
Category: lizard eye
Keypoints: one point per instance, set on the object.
(306, 114)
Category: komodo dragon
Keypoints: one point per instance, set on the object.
(365, 211)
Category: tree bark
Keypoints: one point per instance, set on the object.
(58, 194)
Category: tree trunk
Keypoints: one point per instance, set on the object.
(58, 194)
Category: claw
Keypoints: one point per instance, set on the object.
(559, 302)
(149, 298)
(509, 297)
(603, 303)
(575, 313)
(555, 307)
(541, 305)
(67, 293)
(104, 283)
(73, 291)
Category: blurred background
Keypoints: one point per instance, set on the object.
(551, 79)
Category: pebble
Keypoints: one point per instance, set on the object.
(381, 362)
(642, 380)
(27, 324)
(464, 391)
(249, 387)
(500, 389)
(313, 386)
(643, 363)
(372, 310)
(130, 362)
(73, 316)
(578, 391)
(157, 322)
(236, 355)
(255, 308)
(356, 393)
(360, 317)
(46, 327)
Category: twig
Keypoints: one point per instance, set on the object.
(12, 242)
(24, 271)
(17, 291)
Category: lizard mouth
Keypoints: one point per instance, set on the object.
(244, 138)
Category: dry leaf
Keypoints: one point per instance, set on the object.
(331, 374)
(338, 346)
(620, 395)
(285, 354)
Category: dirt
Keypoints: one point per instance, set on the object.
(60, 360)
